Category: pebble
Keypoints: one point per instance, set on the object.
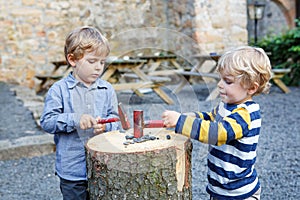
(129, 137)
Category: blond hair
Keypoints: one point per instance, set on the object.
(250, 65)
(85, 39)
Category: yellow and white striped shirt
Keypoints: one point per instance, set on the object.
(232, 132)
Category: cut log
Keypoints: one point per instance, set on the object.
(153, 169)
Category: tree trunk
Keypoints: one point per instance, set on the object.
(153, 169)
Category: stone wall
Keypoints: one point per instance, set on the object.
(278, 17)
(32, 32)
(221, 24)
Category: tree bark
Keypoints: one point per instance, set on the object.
(154, 169)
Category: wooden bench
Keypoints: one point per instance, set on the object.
(47, 80)
(188, 74)
(200, 74)
(155, 79)
(200, 70)
(277, 74)
(155, 82)
(213, 94)
(133, 66)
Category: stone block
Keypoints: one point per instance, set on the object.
(28, 146)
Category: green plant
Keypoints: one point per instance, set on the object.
(285, 53)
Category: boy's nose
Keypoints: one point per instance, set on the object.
(99, 66)
(220, 85)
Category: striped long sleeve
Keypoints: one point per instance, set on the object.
(205, 129)
(232, 132)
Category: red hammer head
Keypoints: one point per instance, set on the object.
(138, 123)
(123, 117)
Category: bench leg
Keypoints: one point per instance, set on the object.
(281, 85)
(213, 94)
(163, 95)
(41, 86)
(137, 92)
(181, 85)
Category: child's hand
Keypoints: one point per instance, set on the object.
(99, 128)
(87, 121)
(170, 118)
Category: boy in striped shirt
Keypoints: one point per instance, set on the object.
(232, 128)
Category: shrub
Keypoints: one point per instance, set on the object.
(285, 53)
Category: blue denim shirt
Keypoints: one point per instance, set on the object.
(65, 102)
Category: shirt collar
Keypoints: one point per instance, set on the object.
(73, 82)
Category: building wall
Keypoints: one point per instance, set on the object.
(278, 17)
(32, 32)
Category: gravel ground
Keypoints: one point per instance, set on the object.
(16, 120)
(278, 149)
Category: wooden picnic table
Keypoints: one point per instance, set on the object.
(115, 67)
(199, 71)
(160, 65)
(136, 77)
(277, 74)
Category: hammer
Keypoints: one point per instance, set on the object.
(138, 121)
(122, 117)
(140, 124)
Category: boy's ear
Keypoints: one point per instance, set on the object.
(71, 59)
(253, 88)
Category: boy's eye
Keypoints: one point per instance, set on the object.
(102, 62)
(227, 81)
(92, 61)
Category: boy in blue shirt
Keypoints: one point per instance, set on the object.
(232, 128)
(73, 106)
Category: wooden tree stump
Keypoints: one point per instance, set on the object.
(154, 169)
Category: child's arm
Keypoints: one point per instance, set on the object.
(54, 119)
(232, 127)
(206, 115)
(171, 117)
